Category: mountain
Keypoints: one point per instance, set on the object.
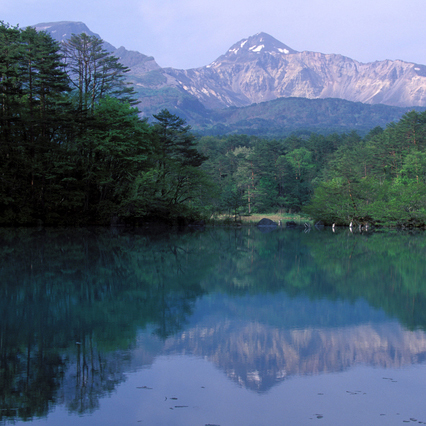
(240, 77)
(138, 63)
(260, 69)
(258, 356)
(61, 31)
(156, 89)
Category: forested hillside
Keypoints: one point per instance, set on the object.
(74, 150)
(286, 116)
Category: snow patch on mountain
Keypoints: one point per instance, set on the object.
(286, 51)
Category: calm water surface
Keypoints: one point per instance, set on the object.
(214, 327)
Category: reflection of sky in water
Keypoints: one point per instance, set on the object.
(282, 311)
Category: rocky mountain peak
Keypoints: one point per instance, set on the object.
(63, 30)
(252, 47)
(262, 42)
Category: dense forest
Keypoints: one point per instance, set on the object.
(340, 178)
(75, 151)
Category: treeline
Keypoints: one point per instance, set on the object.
(73, 150)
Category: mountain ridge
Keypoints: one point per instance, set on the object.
(257, 70)
(261, 68)
(243, 76)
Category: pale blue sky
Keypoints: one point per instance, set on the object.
(192, 33)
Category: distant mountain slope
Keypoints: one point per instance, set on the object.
(261, 68)
(281, 117)
(155, 88)
(63, 30)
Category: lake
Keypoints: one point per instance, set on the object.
(218, 326)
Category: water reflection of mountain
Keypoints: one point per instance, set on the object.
(258, 356)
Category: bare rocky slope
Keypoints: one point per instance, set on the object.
(260, 68)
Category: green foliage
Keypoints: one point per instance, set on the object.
(174, 187)
(94, 73)
(380, 180)
(33, 89)
(232, 200)
(112, 151)
(269, 175)
(84, 156)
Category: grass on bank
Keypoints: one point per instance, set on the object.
(254, 219)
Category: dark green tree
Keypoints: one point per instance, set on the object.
(33, 92)
(94, 72)
(173, 186)
(112, 151)
(10, 84)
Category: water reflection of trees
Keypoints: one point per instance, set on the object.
(385, 269)
(71, 303)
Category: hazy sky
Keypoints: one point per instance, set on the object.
(192, 33)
